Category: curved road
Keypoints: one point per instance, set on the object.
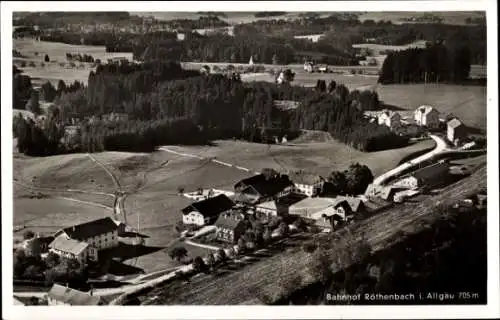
(441, 147)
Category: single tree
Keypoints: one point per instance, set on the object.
(338, 182)
(28, 234)
(46, 58)
(221, 255)
(210, 261)
(49, 92)
(198, 264)
(178, 253)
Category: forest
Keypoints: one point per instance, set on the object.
(436, 63)
(167, 104)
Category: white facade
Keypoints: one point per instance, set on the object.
(307, 189)
(194, 217)
(427, 116)
(268, 208)
(407, 182)
(391, 120)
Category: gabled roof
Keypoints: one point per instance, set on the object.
(354, 203)
(229, 222)
(210, 207)
(344, 204)
(266, 187)
(65, 244)
(304, 177)
(430, 172)
(91, 229)
(72, 296)
(454, 123)
(309, 206)
(425, 109)
(269, 205)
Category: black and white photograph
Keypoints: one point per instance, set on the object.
(330, 156)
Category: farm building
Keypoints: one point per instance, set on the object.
(61, 295)
(427, 116)
(73, 249)
(83, 241)
(429, 176)
(229, 227)
(278, 207)
(306, 183)
(456, 130)
(206, 211)
(388, 193)
(390, 119)
(308, 66)
(309, 206)
(258, 189)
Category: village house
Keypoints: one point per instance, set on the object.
(428, 177)
(278, 207)
(206, 211)
(387, 193)
(229, 227)
(83, 242)
(456, 130)
(427, 116)
(308, 207)
(258, 189)
(390, 119)
(74, 249)
(308, 66)
(306, 183)
(61, 295)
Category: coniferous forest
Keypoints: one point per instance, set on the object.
(166, 104)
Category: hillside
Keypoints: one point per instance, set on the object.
(239, 287)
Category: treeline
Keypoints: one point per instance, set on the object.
(346, 30)
(62, 19)
(79, 57)
(264, 14)
(203, 22)
(436, 63)
(239, 49)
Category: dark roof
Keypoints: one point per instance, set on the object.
(290, 199)
(72, 296)
(266, 187)
(228, 222)
(91, 229)
(344, 204)
(430, 172)
(211, 207)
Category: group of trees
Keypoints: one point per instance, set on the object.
(352, 181)
(436, 63)
(79, 57)
(167, 104)
(50, 269)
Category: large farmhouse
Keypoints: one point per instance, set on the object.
(390, 119)
(206, 211)
(258, 189)
(278, 207)
(427, 116)
(83, 242)
(306, 183)
(456, 130)
(230, 227)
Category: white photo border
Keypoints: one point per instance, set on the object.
(256, 312)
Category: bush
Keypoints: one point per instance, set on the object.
(28, 234)
(32, 64)
(199, 264)
(178, 253)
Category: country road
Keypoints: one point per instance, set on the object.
(440, 148)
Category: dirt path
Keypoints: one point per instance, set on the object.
(190, 155)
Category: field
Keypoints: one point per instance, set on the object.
(451, 17)
(466, 102)
(248, 17)
(152, 182)
(34, 51)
